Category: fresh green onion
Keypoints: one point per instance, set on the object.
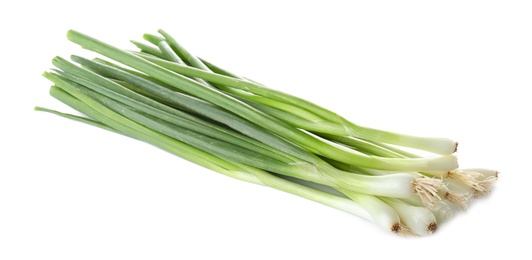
(168, 97)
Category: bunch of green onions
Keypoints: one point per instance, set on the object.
(166, 96)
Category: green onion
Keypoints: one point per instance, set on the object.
(168, 97)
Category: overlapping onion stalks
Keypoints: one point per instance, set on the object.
(167, 97)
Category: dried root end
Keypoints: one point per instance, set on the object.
(486, 185)
(479, 195)
(469, 179)
(396, 228)
(427, 189)
(488, 182)
(460, 199)
(405, 230)
(432, 227)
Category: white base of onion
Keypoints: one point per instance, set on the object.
(442, 210)
(403, 185)
(381, 213)
(419, 220)
(445, 210)
(455, 193)
(485, 173)
(457, 187)
(442, 146)
(398, 185)
(486, 183)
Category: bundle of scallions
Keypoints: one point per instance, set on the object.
(166, 96)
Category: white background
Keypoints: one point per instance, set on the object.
(458, 69)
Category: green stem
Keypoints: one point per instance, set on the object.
(183, 53)
(168, 53)
(153, 39)
(148, 49)
(77, 118)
